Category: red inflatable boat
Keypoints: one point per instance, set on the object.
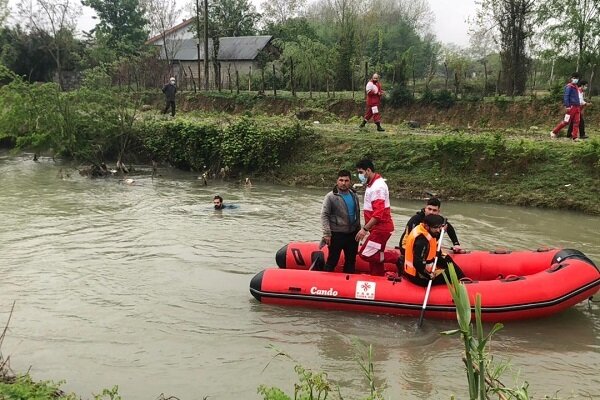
(513, 285)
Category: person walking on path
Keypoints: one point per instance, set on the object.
(379, 225)
(572, 108)
(582, 85)
(374, 95)
(169, 90)
(340, 217)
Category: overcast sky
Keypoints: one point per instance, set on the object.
(450, 23)
(449, 19)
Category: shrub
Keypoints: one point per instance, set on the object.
(247, 144)
(444, 99)
(399, 96)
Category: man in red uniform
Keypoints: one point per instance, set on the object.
(378, 220)
(374, 95)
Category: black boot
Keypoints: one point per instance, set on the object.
(362, 124)
(379, 128)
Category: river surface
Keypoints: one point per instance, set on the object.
(145, 286)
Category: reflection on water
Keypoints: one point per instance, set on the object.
(146, 286)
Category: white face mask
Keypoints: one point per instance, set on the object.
(362, 178)
(575, 80)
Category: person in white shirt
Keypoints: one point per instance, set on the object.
(582, 87)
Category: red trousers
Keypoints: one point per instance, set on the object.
(574, 114)
(373, 251)
(369, 114)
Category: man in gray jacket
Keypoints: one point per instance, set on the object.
(340, 217)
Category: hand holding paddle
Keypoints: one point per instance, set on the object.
(439, 247)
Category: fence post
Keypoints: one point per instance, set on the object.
(292, 77)
(274, 82)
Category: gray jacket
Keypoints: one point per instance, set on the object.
(334, 214)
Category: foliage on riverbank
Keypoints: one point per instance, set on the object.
(529, 170)
(98, 123)
(243, 144)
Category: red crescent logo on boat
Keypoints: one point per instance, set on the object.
(323, 292)
(365, 290)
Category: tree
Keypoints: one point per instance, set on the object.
(4, 11)
(309, 57)
(568, 20)
(161, 16)
(122, 26)
(513, 21)
(344, 14)
(56, 19)
(429, 54)
(233, 17)
(226, 18)
(290, 29)
(377, 31)
(482, 46)
(26, 54)
(280, 11)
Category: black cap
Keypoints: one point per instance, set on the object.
(434, 220)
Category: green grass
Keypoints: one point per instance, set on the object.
(518, 168)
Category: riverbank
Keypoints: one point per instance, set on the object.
(496, 151)
(524, 168)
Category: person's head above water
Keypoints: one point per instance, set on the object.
(218, 202)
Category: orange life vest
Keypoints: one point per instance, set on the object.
(419, 230)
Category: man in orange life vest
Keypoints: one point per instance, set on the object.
(378, 219)
(374, 95)
(421, 249)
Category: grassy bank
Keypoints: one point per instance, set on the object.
(502, 166)
(495, 151)
(529, 170)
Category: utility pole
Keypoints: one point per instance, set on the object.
(198, 44)
(206, 44)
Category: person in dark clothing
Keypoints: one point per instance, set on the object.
(340, 220)
(432, 207)
(421, 253)
(169, 90)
